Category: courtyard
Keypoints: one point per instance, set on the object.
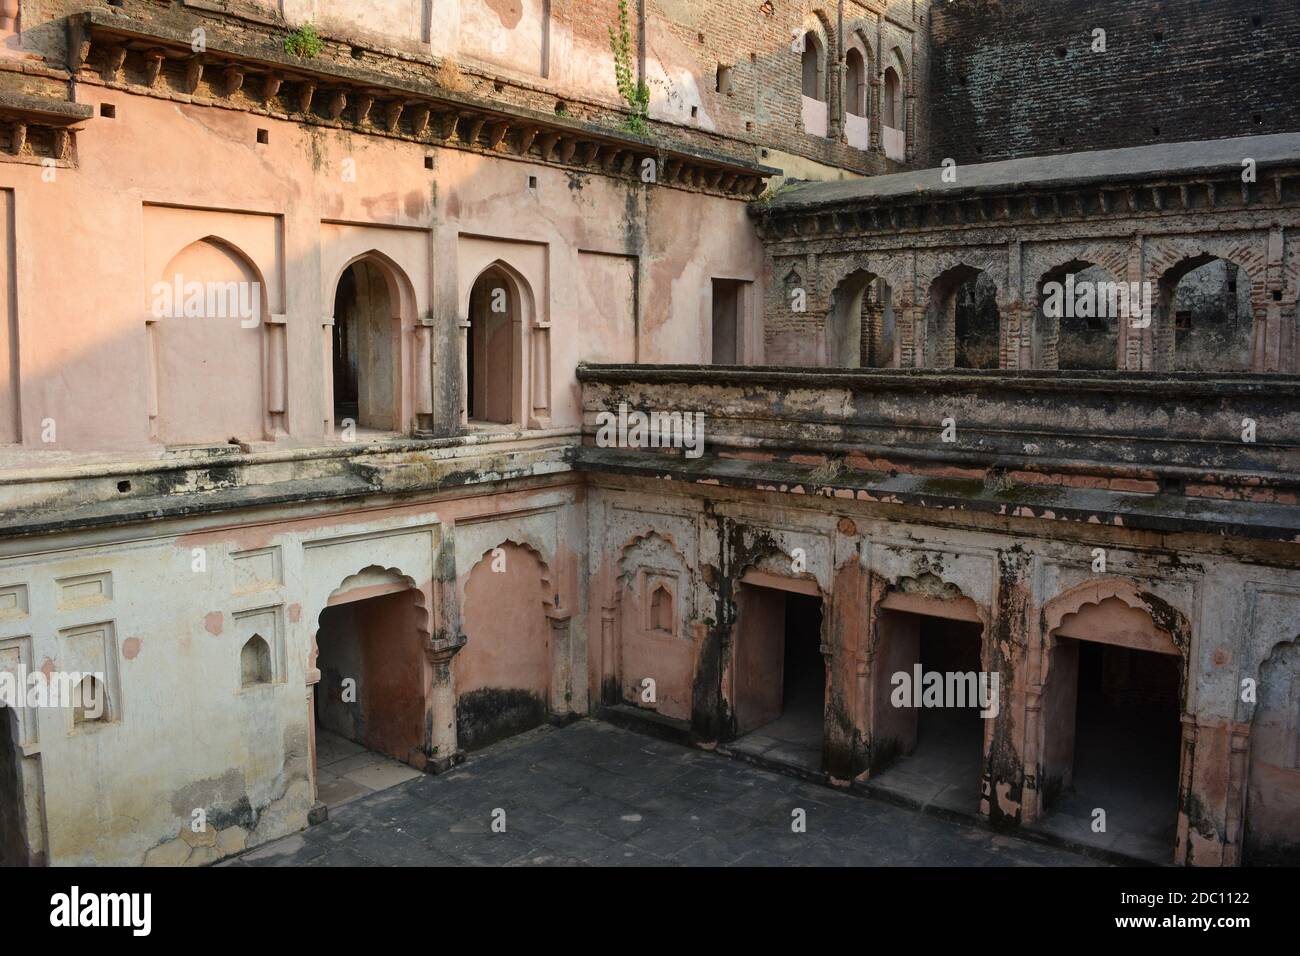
(591, 794)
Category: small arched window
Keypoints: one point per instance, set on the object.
(365, 336)
(490, 345)
(255, 662)
(892, 112)
(812, 67)
(855, 83)
(661, 610)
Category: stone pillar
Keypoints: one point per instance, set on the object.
(561, 664)
(1213, 752)
(442, 752)
(539, 406)
(424, 370)
(327, 373)
(1031, 796)
(873, 110)
(1008, 334)
(844, 731)
(835, 101)
(318, 813)
(465, 359)
(1238, 771)
(877, 84)
(1288, 348)
(610, 686)
(1274, 346)
(1018, 350)
(277, 370)
(910, 329)
(1137, 340)
(151, 371)
(909, 121)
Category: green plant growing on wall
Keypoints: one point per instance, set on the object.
(304, 42)
(634, 92)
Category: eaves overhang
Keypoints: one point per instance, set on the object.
(164, 60)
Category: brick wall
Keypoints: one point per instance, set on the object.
(1019, 78)
(754, 38)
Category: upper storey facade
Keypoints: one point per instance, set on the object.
(814, 84)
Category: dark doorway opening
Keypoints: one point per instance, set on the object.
(345, 349)
(727, 298)
(1127, 743)
(781, 677)
(365, 349)
(930, 755)
(976, 323)
(490, 347)
(369, 706)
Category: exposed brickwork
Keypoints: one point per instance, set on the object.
(1018, 77)
(764, 103)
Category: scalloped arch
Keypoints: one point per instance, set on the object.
(629, 543)
(548, 589)
(1095, 593)
(386, 575)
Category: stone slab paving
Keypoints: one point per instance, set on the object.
(347, 770)
(592, 794)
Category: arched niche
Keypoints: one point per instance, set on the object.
(505, 351)
(209, 335)
(504, 673)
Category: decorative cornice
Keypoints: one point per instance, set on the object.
(909, 214)
(39, 127)
(153, 59)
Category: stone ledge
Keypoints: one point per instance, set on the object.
(77, 506)
(1163, 384)
(1157, 512)
(44, 111)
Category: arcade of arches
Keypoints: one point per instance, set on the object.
(1201, 309)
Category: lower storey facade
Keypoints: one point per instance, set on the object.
(1120, 689)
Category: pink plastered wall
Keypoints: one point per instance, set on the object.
(291, 213)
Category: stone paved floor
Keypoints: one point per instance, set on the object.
(347, 770)
(794, 738)
(593, 794)
(944, 769)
